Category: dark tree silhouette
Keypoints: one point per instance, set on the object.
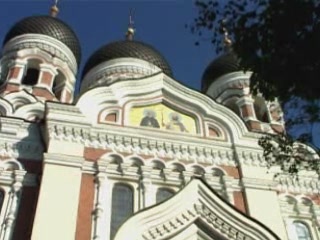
(278, 41)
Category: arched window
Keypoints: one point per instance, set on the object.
(122, 206)
(302, 231)
(163, 194)
(31, 75)
(260, 109)
(58, 84)
(232, 104)
(3, 74)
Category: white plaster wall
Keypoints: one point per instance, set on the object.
(263, 205)
(68, 148)
(56, 213)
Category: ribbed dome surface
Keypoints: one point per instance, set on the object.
(224, 64)
(127, 49)
(50, 26)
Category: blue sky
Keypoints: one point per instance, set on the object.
(160, 23)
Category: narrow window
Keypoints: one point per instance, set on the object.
(58, 84)
(1, 199)
(122, 206)
(163, 194)
(31, 77)
(302, 231)
(260, 109)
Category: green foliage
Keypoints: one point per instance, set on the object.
(289, 154)
(277, 40)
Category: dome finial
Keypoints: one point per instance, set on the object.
(226, 39)
(54, 10)
(131, 30)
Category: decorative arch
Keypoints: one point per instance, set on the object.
(301, 230)
(6, 108)
(305, 200)
(176, 167)
(31, 112)
(290, 199)
(160, 89)
(205, 212)
(135, 161)
(112, 158)
(20, 99)
(196, 169)
(218, 172)
(11, 165)
(109, 114)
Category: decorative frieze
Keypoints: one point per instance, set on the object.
(302, 185)
(20, 139)
(44, 43)
(206, 153)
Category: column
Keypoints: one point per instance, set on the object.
(247, 111)
(13, 204)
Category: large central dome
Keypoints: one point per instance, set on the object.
(49, 26)
(127, 49)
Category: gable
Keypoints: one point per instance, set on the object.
(195, 212)
(127, 103)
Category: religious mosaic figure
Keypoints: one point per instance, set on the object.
(149, 119)
(175, 123)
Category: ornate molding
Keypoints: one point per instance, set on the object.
(143, 142)
(108, 72)
(250, 157)
(238, 80)
(45, 43)
(20, 139)
(176, 214)
(303, 185)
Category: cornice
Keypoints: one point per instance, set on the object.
(261, 184)
(62, 160)
(108, 72)
(301, 185)
(45, 43)
(231, 80)
(144, 142)
(20, 139)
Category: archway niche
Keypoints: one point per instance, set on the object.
(31, 73)
(58, 84)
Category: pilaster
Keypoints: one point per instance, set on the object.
(59, 197)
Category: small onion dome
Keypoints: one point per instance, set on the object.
(49, 26)
(226, 63)
(127, 49)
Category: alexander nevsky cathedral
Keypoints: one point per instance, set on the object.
(136, 155)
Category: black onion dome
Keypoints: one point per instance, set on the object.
(127, 49)
(226, 63)
(50, 26)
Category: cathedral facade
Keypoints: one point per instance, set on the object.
(136, 154)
